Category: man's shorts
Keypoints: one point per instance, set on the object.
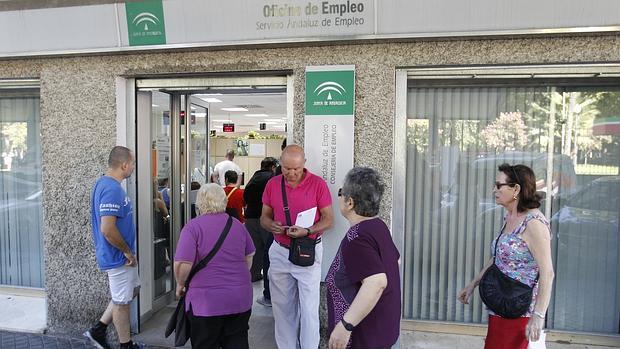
(124, 284)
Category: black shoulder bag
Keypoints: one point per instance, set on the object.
(301, 252)
(505, 296)
(179, 321)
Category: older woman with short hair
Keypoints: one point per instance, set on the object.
(363, 282)
(219, 297)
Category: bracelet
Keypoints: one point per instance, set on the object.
(539, 314)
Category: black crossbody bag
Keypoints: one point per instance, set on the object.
(179, 321)
(301, 252)
(505, 296)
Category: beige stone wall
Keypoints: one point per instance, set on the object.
(78, 111)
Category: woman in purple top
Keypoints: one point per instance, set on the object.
(363, 283)
(219, 297)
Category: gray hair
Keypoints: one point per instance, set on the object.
(365, 186)
(211, 198)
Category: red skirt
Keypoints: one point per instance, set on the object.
(506, 333)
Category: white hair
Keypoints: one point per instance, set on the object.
(211, 198)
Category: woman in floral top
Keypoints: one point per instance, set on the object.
(523, 253)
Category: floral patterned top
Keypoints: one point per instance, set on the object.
(514, 257)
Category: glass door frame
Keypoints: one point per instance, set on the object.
(180, 146)
(130, 89)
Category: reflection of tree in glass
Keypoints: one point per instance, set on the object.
(13, 141)
(418, 133)
(507, 132)
(575, 113)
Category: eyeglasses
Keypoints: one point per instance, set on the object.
(514, 172)
(499, 185)
(339, 192)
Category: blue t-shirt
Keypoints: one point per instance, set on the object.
(110, 199)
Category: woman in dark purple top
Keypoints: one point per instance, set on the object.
(219, 297)
(363, 283)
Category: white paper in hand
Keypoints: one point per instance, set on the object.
(540, 343)
(305, 219)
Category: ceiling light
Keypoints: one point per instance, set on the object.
(199, 115)
(211, 100)
(154, 105)
(257, 115)
(271, 123)
(234, 109)
(221, 120)
(193, 108)
(276, 120)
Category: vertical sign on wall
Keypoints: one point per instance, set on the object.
(329, 138)
(145, 22)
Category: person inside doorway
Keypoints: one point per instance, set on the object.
(114, 236)
(253, 195)
(234, 194)
(223, 166)
(164, 189)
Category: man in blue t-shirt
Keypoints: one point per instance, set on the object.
(114, 236)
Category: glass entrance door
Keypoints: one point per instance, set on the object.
(172, 156)
(179, 139)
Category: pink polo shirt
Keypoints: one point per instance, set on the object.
(311, 192)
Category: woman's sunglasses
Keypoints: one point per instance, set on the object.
(499, 185)
(340, 192)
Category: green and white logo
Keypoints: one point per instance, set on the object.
(145, 22)
(330, 92)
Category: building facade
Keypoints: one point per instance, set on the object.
(435, 113)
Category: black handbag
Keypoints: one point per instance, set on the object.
(301, 252)
(179, 321)
(505, 296)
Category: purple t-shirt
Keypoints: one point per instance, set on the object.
(223, 287)
(366, 250)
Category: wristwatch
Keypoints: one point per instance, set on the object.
(347, 326)
(309, 231)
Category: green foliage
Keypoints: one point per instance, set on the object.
(507, 132)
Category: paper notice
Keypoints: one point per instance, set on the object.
(305, 219)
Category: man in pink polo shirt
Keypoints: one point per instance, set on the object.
(295, 289)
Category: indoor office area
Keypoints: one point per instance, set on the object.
(184, 132)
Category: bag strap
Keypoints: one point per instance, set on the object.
(497, 241)
(204, 261)
(230, 193)
(285, 202)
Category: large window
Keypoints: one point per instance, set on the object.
(21, 255)
(457, 135)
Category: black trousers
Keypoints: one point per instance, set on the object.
(262, 241)
(220, 332)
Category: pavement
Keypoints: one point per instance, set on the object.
(27, 311)
(15, 340)
(260, 335)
